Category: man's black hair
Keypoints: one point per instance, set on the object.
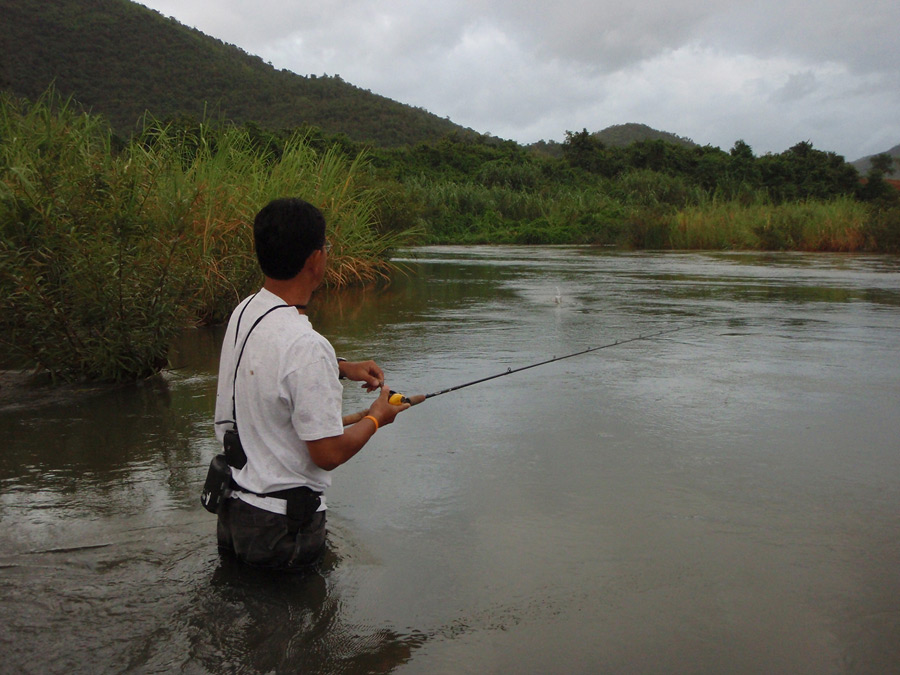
(285, 232)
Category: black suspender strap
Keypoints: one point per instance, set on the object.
(237, 329)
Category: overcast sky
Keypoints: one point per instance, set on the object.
(770, 72)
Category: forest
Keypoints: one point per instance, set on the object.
(648, 194)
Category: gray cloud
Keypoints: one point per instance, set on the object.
(773, 72)
(859, 35)
(797, 87)
(607, 35)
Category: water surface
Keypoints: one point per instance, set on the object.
(719, 499)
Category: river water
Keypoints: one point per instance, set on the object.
(724, 498)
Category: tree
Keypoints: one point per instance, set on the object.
(802, 172)
(580, 149)
(882, 163)
(741, 151)
(875, 188)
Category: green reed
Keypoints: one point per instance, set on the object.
(835, 225)
(474, 213)
(646, 209)
(105, 255)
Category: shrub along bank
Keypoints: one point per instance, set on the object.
(648, 195)
(107, 253)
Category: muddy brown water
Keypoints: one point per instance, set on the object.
(721, 499)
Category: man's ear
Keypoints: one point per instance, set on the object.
(315, 262)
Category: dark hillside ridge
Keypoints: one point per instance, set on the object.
(120, 59)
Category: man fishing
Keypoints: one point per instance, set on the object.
(278, 404)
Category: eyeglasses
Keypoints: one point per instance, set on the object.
(327, 246)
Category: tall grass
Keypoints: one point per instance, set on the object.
(474, 213)
(105, 256)
(646, 209)
(837, 225)
(230, 179)
(90, 286)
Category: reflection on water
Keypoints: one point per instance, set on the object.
(720, 499)
(152, 601)
(256, 622)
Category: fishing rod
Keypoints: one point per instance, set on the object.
(398, 398)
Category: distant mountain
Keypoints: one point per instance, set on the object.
(616, 136)
(120, 59)
(620, 135)
(863, 163)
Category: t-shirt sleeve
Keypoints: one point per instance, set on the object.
(314, 392)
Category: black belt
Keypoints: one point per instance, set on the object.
(300, 491)
(302, 501)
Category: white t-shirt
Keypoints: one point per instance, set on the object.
(287, 392)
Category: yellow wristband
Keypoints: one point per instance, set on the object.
(369, 417)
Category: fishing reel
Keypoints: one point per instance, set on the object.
(396, 398)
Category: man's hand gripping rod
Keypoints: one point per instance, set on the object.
(395, 399)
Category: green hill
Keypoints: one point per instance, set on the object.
(616, 136)
(862, 164)
(120, 59)
(621, 135)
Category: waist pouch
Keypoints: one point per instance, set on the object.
(217, 485)
(302, 502)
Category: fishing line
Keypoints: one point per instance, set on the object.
(510, 371)
(398, 399)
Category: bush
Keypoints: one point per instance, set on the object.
(92, 287)
(645, 188)
(649, 229)
(882, 229)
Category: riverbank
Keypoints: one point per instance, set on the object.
(656, 215)
(108, 249)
